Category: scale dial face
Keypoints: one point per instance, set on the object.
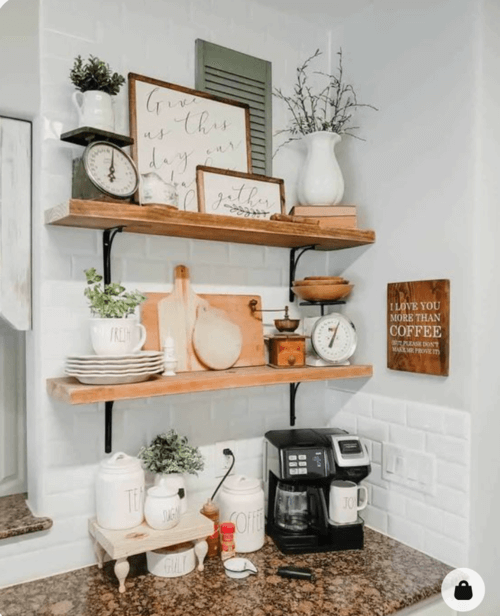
(334, 338)
(110, 169)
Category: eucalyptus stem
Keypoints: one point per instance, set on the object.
(331, 109)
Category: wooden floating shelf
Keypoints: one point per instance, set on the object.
(156, 220)
(68, 389)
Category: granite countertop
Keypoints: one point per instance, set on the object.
(385, 577)
(16, 518)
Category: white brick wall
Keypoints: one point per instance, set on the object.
(156, 39)
(436, 524)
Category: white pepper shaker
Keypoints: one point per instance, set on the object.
(169, 356)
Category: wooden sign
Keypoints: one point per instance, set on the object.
(176, 128)
(418, 326)
(243, 195)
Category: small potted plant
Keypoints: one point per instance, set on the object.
(170, 457)
(95, 84)
(319, 118)
(113, 327)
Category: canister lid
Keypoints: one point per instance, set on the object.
(121, 463)
(241, 484)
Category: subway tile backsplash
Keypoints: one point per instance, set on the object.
(434, 523)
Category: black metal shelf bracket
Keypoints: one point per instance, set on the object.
(293, 393)
(322, 304)
(107, 242)
(108, 425)
(294, 260)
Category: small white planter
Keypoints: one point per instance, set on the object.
(320, 181)
(94, 109)
(117, 336)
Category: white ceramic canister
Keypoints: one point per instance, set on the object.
(162, 508)
(174, 481)
(241, 501)
(120, 492)
(172, 562)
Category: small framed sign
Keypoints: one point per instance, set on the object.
(243, 195)
(418, 326)
(175, 129)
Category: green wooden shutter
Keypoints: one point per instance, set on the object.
(236, 75)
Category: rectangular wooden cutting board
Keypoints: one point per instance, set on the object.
(238, 309)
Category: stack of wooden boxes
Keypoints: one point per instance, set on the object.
(328, 216)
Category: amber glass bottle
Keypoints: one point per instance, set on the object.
(210, 510)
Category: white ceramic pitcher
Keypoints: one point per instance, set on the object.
(94, 109)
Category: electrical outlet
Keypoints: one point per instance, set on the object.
(412, 469)
(223, 462)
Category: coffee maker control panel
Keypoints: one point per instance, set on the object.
(308, 463)
(349, 451)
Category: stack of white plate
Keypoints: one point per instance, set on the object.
(114, 369)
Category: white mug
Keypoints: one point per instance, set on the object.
(343, 507)
(116, 336)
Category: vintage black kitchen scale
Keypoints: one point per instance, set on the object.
(104, 172)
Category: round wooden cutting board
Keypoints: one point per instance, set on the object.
(217, 341)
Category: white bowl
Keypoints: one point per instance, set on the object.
(238, 568)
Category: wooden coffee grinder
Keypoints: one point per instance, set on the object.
(286, 349)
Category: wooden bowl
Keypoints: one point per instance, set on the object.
(332, 279)
(312, 283)
(323, 292)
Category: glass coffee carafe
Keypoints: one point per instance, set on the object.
(291, 511)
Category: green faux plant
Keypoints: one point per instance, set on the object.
(171, 453)
(94, 74)
(111, 300)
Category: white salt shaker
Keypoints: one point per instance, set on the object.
(169, 357)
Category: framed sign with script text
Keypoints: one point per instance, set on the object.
(175, 129)
(418, 326)
(243, 195)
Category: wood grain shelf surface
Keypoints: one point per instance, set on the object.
(69, 390)
(156, 220)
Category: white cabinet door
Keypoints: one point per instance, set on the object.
(12, 412)
(15, 222)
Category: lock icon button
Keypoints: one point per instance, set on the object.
(463, 591)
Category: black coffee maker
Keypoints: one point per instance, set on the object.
(299, 466)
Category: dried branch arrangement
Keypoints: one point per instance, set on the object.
(331, 109)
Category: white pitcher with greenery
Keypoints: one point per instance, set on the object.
(114, 328)
(95, 84)
(170, 458)
(319, 119)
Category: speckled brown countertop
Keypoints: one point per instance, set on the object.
(380, 580)
(16, 518)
